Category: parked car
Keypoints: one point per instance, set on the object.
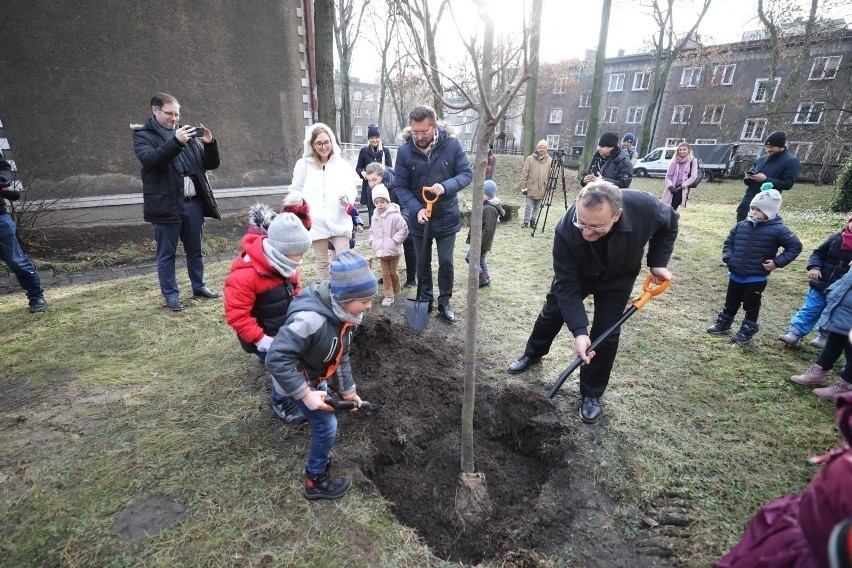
(715, 160)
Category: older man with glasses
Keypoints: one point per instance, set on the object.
(598, 248)
(778, 166)
(176, 193)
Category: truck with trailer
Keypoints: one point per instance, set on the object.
(714, 160)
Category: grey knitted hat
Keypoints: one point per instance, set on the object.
(288, 235)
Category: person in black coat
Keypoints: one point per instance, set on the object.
(778, 167)
(372, 152)
(598, 248)
(610, 163)
(176, 193)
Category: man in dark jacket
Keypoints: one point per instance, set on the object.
(610, 163)
(372, 152)
(11, 252)
(176, 193)
(432, 158)
(778, 167)
(597, 249)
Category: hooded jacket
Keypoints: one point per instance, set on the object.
(536, 174)
(831, 260)
(322, 185)
(162, 185)
(749, 245)
(388, 230)
(448, 165)
(308, 343)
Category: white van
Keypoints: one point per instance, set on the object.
(714, 160)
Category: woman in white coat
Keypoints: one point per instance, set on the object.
(327, 183)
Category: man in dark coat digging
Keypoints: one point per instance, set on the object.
(597, 250)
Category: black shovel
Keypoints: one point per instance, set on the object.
(416, 310)
(341, 405)
(647, 294)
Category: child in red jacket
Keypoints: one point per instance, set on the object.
(264, 279)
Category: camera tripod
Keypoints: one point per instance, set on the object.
(557, 172)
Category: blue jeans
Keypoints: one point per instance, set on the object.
(189, 231)
(806, 318)
(446, 274)
(14, 257)
(323, 432)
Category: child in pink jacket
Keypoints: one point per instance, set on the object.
(388, 230)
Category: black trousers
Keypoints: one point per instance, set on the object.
(410, 259)
(610, 301)
(836, 344)
(677, 199)
(745, 205)
(749, 295)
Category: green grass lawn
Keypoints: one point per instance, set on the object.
(107, 399)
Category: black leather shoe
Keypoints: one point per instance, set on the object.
(409, 283)
(174, 304)
(447, 312)
(205, 293)
(522, 363)
(37, 305)
(590, 410)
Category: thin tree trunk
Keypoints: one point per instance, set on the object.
(532, 84)
(597, 86)
(324, 32)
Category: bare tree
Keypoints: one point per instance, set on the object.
(532, 84)
(324, 60)
(472, 505)
(665, 47)
(347, 28)
(597, 86)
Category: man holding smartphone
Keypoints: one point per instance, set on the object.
(176, 192)
(778, 166)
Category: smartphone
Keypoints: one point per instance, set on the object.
(199, 131)
(749, 172)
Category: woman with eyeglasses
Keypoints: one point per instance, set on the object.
(328, 184)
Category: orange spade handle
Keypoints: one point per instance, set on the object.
(429, 202)
(649, 292)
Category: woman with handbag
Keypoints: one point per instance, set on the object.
(683, 172)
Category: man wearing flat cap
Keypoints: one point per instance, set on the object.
(610, 163)
(778, 167)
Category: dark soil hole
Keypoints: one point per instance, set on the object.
(519, 446)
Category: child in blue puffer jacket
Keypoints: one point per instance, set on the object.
(751, 253)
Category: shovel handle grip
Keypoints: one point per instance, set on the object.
(648, 292)
(341, 405)
(429, 202)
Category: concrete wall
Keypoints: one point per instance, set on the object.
(76, 74)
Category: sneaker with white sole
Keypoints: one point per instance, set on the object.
(387, 302)
(288, 411)
(830, 392)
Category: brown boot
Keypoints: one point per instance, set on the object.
(830, 392)
(814, 376)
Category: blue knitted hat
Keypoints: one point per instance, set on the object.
(490, 188)
(373, 130)
(351, 278)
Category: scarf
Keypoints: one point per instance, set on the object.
(284, 265)
(182, 163)
(342, 314)
(598, 163)
(428, 149)
(680, 171)
(847, 240)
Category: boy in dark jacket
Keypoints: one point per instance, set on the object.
(491, 211)
(311, 353)
(828, 263)
(751, 253)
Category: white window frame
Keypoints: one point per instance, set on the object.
(825, 68)
(559, 87)
(553, 141)
(796, 148)
(808, 110)
(712, 118)
(468, 112)
(585, 97)
(720, 74)
(368, 96)
(616, 83)
(555, 116)
(611, 115)
(368, 113)
(672, 142)
(357, 130)
(467, 145)
(581, 128)
(357, 96)
(705, 141)
(634, 115)
(357, 113)
(678, 114)
(763, 81)
(468, 127)
(751, 126)
(690, 77)
(643, 79)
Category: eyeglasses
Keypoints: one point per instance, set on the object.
(171, 114)
(322, 144)
(422, 133)
(582, 227)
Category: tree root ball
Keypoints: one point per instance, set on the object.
(473, 507)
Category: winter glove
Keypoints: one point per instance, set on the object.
(263, 344)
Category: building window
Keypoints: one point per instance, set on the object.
(753, 129)
(670, 142)
(585, 100)
(616, 82)
(724, 74)
(559, 87)
(368, 113)
(641, 80)
(368, 95)
(468, 127)
(761, 86)
(467, 145)
(610, 115)
(553, 141)
(713, 114)
(357, 113)
(690, 77)
(824, 68)
(556, 116)
(358, 131)
(581, 128)
(809, 113)
(705, 140)
(800, 149)
(681, 114)
(468, 112)
(357, 95)
(634, 115)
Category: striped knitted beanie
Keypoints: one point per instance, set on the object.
(351, 278)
